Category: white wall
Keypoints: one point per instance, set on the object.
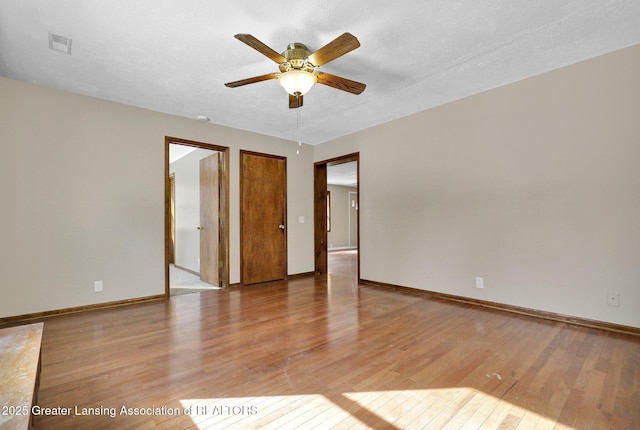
(83, 197)
(534, 186)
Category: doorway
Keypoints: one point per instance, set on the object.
(336, 216)
(196, 216)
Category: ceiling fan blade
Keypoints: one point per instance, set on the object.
(260, 47)
(295, 101)
(339, 83)
(252, 80)
(334, 49)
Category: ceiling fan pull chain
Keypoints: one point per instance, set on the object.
(298, 124)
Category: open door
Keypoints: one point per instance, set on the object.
(209, 219)
(172, 221)
(320, 224)
(207, 182)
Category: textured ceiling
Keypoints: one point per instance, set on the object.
(175, 56)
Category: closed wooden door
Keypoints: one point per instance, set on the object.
(263, 217)
(209, 219)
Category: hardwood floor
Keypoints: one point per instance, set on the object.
(344, 262)
(325, 353)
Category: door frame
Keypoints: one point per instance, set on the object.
(286, 221)
(320, 209)
(224, 206)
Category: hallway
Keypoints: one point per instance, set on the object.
(344, 263)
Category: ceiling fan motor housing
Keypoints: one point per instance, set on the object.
(297, 56)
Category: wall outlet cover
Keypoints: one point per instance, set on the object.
(613, 298)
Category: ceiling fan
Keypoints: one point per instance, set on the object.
(299, 68)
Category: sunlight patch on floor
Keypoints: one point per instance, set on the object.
(447, 408)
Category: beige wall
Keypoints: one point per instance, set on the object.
(534, 186)
(83, 197)
(338, 237)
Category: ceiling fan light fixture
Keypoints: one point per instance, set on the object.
(297, 67)
(297, 82)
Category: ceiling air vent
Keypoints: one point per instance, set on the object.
(60, 43)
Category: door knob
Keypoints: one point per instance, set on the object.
(281, 226)
(199, 228)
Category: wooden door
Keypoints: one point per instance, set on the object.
(209, 219)
(263, 235)
(320, 219)
(172, 215)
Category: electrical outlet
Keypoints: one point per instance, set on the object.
(479, 283)
(613, 298)
(97, 286)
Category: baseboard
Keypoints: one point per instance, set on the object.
(584, 322)
(343, 248)
(39, 315)
(301, 275)
(288, 278)
(184, 269)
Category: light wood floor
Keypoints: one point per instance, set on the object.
(325, 353)
(344, 263)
